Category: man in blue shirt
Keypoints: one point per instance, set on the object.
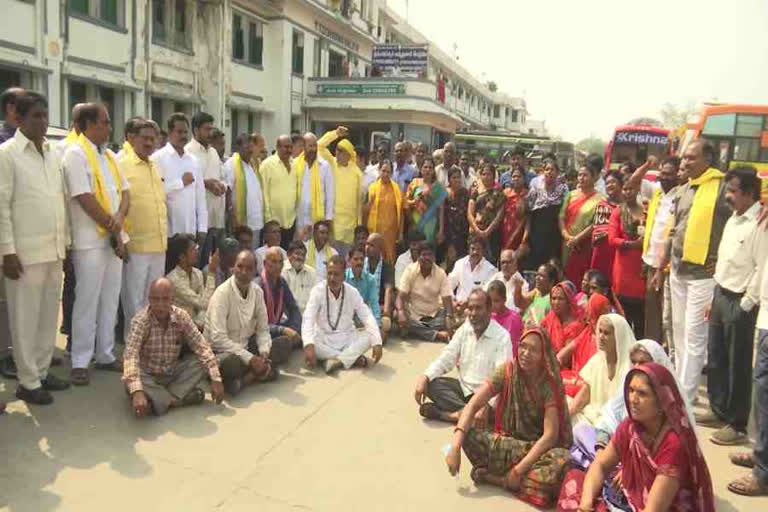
(364, 282)
(402, 172)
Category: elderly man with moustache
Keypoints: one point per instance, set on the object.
(155, 375)
(316, 199)
(281, 189)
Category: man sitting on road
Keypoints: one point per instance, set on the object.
(423, 286)
(301, 278)
(364, 282)
(236, 325)
(477, 349)
(271, 234)
(414, 239)
(509, 275)
(153, 373)
(470, 272)
(319, 249)
(283, 313)
(328, 327)
(384, 275)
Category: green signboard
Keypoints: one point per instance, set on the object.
(361, 89)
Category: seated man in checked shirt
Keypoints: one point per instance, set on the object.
(153, 374)
(477, 349)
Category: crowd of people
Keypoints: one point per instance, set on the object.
(579, 321)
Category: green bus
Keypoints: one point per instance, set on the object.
(495, 146)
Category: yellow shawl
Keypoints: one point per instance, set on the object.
(316, 200)
(99, 186)
(650, 218)
(374, 192)
(71, 137)
(699, 228)
(241, 191)
(311, 252)
(127, 148)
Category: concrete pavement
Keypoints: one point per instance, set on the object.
(307, 442)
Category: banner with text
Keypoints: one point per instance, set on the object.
(401, 60)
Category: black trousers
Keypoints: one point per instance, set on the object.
(68, 298)
(654, 310)
(446, 394)
(729, 363)
(634, 312)
(286, 236)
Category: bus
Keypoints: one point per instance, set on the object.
(494, 145)
(739, 134)
(635, 142)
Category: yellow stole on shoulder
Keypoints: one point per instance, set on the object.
(699, 228)
(241, 191)
(316, 200)
(99, 186)
(72, 137)
(128, 148)
(653, 206)
(311, 252)
(375, 191)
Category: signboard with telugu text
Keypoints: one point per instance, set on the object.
(401, 60)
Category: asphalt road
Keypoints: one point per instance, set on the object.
(307, 442)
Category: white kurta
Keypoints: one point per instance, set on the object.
(464, 278)
(211, 169)
(254, 198)
(344, 343)
(187, 209)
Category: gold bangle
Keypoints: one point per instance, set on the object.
(459, 429)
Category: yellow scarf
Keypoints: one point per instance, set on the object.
(127, 148)
(699, 228)
(99, 186)
(316, 200)
(311, 252)
(72, 137)
(375, 191)
(241, 191)
(650, 218)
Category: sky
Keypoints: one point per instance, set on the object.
(586, 66)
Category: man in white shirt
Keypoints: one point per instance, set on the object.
(509, 276)
(470, 272)
(96, 215)
(328, 327)
(468, 174)
(248, 201)
(237, 327)
(410, 256)
(272, 236)
(477, 349)
(213, 179)
(308, 169)
(449, 160)
(183, 182)
(740, 258)
(319, 250)
(371, 172)
(33, 238)
(301, 278)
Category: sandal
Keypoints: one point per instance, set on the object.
(478, 475)
(194, 397)
(362, 362)
(748, 485)
(429, 411)
(79, 377)
(743, 459)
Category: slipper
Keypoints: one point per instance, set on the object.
(743, 459)
(429, 411)
(362, 362)
(748, 485)
(478, 475)
(194, 397)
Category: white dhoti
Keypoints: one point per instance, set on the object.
(138, 273)
(690, 329)
(98, 273)
(33, 302)
(347, 347)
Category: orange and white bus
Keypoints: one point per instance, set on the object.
(739, 134)
(635, 142)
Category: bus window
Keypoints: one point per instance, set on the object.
(720, 124)
(749, 126)
(746, 149)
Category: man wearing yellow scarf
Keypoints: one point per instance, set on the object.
(131, 131)
(99, 202)
(700, 214)
(247, 195)
(316, 195)
(346, 176)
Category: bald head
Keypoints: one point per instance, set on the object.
(284, 146)
(161, 298)
(273, 262)
(374, 246)
(244, 269)
(508, 263)
(310, 147)
(76, 111)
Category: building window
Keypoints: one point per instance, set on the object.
(513, 115)
(245, 29)
(317, 58)
(108, 11)
(9, 78)
(77, 94)
(335, 64)
(170, 22)
(157, 112)
(298, 52)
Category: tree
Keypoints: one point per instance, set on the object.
(591, 144)
(673, 116)
(492, 86)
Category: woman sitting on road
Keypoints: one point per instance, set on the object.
(535, 304)
(528, 451)
(662, 465)
(564, 322)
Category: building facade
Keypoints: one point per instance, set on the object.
(266, 66)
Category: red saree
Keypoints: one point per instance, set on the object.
(578, 213)
(560, 334)
(511, 225)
